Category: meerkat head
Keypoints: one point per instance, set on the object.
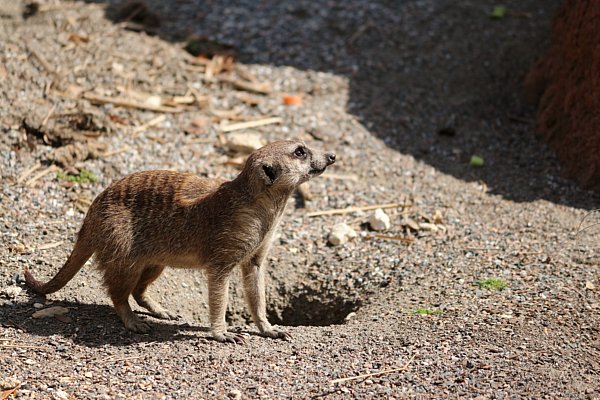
(288, 163)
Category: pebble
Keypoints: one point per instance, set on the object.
(9, 383)
(340, 234)
(60, 394)
(244, 143)
(379, 220)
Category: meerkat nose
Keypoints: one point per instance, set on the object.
(330, 158)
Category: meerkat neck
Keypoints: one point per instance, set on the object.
(249, 187)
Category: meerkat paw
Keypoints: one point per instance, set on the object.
(165, 314)
(229, 338)
(277, 334)
(137, 325)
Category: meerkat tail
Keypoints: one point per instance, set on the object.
(82, 251)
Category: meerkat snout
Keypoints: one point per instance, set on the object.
(149, 220)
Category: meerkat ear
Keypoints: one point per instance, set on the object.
(271, 174)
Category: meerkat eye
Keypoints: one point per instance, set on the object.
(300, 152)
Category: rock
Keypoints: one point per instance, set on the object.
(38, 305)
(589, 285)
(379, 220)
(153, 101)
(19, 248)
(60, 394)
(235, 394)
(244, 142)
(340, 234)
(50, 312)
(9, 383)
(11, 292)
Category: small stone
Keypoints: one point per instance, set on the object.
(60, 394)
(244, 143)
(340, 234)
(235, 394)
(50, 312)
(19, 248)
(11, 292)
(589, 285)
(153, 101)
(88, 374)
(379, 220)
(38, 305)
(9, 383)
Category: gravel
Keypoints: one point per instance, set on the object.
(405, 93)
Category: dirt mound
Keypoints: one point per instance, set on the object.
(566, 81)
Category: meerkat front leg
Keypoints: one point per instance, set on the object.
(218, 291)
(254, 290)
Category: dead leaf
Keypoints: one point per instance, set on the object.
(70, 154)
(50, 312)
(437, 217)
(78, 38)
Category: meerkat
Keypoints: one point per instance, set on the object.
(149, 220)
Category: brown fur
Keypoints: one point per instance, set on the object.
(149, 220)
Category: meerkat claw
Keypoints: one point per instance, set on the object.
(229, 338)
(277, 334)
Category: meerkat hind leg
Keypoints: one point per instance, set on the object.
(120, 285)
(149, 275)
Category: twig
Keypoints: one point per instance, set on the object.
(355, 209)
(579, 229)
(251, 124)
(47, 117)
(5, 394)
(122, 102)
(152, 122)
(201, 99)
(42, 60)
(386, 237)
(257, 87)
(385, 371)
(117, 151)
(200, 141)
(50, 245)
(112, 359)
(21, 346)
(40, 174)
(350, 177)
(29, 171)
(156, 139)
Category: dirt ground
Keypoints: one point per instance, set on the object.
(405, 93)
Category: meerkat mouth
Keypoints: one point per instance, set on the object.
(316, 171)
